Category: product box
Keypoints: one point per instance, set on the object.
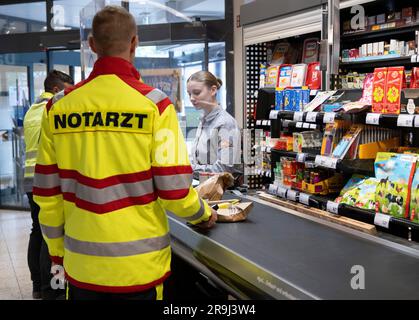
(353, 54)
(311, 50)
(375, 49)
(288, 99)
(396, 81)
(345, 55)
(279, 98)
(414, 79)
(271, 79)
(298, 75)
(381, 18)
(297, 103)
(408, 14)
(378, 90)
(369, 49)
(371, 20)
(393, 46)
(285, 71)
(381, 48)
(314, 76)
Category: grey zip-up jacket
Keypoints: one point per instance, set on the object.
(217, 145)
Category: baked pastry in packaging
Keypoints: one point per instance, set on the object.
(213, 188)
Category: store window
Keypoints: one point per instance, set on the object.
(23, 18)
(39, 75)
(147, 12)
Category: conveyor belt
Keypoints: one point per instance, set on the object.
(285, 256)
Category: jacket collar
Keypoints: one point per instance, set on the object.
(210, 116)
(114, 65)
(45, 96)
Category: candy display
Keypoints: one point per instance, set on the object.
(379, 90)
(359, 192)
(396, 80)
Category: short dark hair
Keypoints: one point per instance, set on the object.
(56, 78)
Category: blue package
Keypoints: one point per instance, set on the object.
(279, 99)
(298, 102)
(305, 97)
(288, 100)
(331, 107)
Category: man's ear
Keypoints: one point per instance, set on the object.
(92, 44)
(134, 44)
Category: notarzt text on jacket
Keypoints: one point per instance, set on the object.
(99, 119)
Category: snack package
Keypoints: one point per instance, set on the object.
(298, 75)
(289, 100)
(379, 90)
(414, 197)
(280, 53)
(394, 173)
(414, 79)
(213, 188)
(359, 193)
(396, 81)
(284, 80)
(311, 50)
(279, 98)
(314, 76)
(272, 74)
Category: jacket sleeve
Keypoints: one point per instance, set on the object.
(47, 193)
(172, 172)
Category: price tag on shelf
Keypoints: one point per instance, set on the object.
(311, 116)
(298, 116)
(329, 117)
(299, 124)
(327, 162)
(373, 118)
(405, 120)
(292, 195)
(414, 58)
(304, 198)
(332, 207)
(313, 92)
(273, 114)
(301, 157)
(264, 122)
(313, 126)
(416, 121)
(306, 125)
(382, 220)
(272, 189)
(282, 192)
(258, 122)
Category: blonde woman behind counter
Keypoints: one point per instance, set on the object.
(217, 145)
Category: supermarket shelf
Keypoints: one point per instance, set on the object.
(317, 117)
(377, 62)
(396, 226)
(408, 121)
(382, 33)
(360, 166)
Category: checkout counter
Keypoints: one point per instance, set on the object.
(278, 253)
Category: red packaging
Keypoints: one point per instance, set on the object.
(354, 53)
(414, 80)
(379, 90)
(314, 76)
(396, 81)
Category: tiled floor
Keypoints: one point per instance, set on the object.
(15, 280)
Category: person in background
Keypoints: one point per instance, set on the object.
(38, 259)
(217, 145)
(105, 174)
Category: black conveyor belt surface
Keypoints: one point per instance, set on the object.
(287, 256)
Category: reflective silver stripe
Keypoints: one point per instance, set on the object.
(156, 95)
(173, 182)
(58, 96)
(116, 249)
(197, 215)
(46, 180)
(30, 170)
(31, 154)
(52, 232)
(108, 194)
(27, 184)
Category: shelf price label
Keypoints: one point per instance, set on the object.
(292, 195)
(382, 220)
(311, 116)
(405, 120)
(373, 118)
(282, 192)
(329, 117)
(332, 207)
(258, 122)
(327, 162)
(306, 125)
(301, 157)
(416, 121)
(313, 126)
(272, 189)
(304, 198)
(273, 114)
(298, 116)
(299, 125)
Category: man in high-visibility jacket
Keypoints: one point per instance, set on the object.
(111, 161)
(38, 260)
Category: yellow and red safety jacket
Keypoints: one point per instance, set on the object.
(111, 160)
